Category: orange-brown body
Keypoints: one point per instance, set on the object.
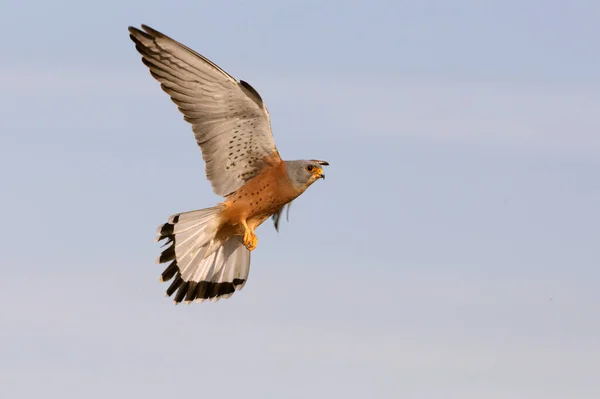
(232, 127)
(257, 200)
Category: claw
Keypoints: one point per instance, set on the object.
(250, 239)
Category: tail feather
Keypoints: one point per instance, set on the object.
(169, 272)
(200, 267)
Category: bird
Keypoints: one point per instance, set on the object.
(208, 250)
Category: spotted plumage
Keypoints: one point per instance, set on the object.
(208, 250)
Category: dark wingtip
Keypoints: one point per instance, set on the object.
(134, 33)
(252, 91)
(153, 32)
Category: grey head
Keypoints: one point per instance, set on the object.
(303, 173)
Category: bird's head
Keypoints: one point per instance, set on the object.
(305, 172)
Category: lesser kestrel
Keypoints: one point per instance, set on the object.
(209, 249)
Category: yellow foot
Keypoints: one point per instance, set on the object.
(250, 240)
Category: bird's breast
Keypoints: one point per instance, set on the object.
(260, 197)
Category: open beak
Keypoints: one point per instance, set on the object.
(322, 163)
(319, 173)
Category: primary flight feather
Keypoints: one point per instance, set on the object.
(208, 250)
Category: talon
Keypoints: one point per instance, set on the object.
(250, 241)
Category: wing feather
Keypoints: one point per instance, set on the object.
(229, 119)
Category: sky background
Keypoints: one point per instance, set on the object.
(452, 252)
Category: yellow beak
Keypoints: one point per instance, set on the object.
(319, 173)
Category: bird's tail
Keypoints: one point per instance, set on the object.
(202, 266)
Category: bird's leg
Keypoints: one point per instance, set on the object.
(250, 240)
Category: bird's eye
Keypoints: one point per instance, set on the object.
(310, 168)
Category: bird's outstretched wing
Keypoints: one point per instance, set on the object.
(229, 119)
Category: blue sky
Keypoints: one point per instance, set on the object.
(452, 251)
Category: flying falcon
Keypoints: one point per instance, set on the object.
(209, 249)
